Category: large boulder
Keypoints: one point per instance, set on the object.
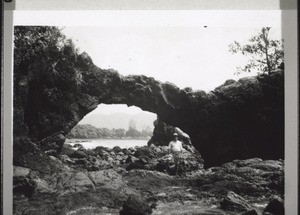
(234, 202)
(243, 177)
(275, 207)
(249, 212)
(28, 154)
(135, 206)
(163, 134)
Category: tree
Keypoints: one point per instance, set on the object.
(119, 133)
(265, 54)
(147, 131)
(133, 133)
(132, 124)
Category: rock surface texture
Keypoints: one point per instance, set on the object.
(54, 90)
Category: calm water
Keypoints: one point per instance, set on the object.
(110, 143)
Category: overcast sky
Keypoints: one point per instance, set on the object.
(196, 57)
(187, 48)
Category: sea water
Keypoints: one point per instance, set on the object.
(110, 143)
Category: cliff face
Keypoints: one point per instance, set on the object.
(55, 89)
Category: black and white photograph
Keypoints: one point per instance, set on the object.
(149, 113)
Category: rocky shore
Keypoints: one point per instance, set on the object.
(141, 180)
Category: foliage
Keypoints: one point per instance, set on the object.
(31, 42)
(133, 133)
(265, 54)
(44, 54)
(132, 125)
(47, 74)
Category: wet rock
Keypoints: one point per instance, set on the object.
(144, 152)
(162, 167)
(104, 164)
(51, 152)
(126, 151)
(162, 134)
(250, 212)
(135, 206)
(110, 160)
(100, 149)
(91, 166)
(121, 153)
(143, 160)
(234, 202)
(24, 185)
(136, 165)
(77, 145)
(81, 161)
(53, 142)
(110, 180)
(67, 150)
(268, 165)
(78, 154)
(131, 159)
(157, 150)
(21, 171)
(275, 207)
(80, 182)
(247, 162)
(42, 186)
(82, 149)
(66, 159)
(120, 158)
(117, 149)
(94, 163)
(91, 152)
(103, 153)
(106, 178)
(243, 180)
(27, 154)
(189, 162)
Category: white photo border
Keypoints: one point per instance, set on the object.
(290, 34)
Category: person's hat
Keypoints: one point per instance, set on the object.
(175, 134)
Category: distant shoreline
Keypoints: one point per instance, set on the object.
(87, 139)
(93, 143)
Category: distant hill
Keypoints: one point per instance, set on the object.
(89, 131)
(119, 120)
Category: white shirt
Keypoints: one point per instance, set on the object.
(175, 146)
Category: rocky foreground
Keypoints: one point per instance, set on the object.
(141, 180)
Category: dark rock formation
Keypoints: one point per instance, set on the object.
(93, 185)
(54, 88)
(234, 202)
(67, 189)
(23, 185)
(135, 206)
(244, 177)
(275, 206)
(164, 133)
(250, 212)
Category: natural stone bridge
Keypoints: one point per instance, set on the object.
(240, 119)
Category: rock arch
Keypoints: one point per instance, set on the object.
(239, 119)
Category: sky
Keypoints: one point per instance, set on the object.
(187, 48)
(196, 57)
